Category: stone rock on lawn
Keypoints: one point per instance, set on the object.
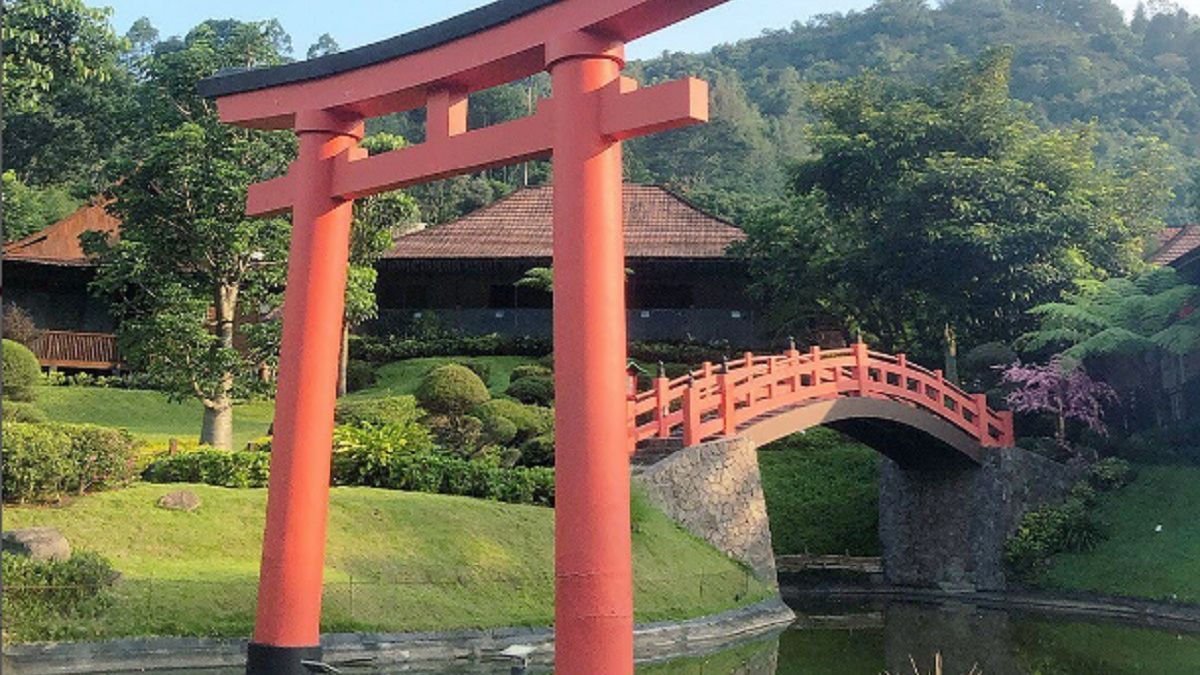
(180, 500)
(38, 543)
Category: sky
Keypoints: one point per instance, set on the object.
(359, 22)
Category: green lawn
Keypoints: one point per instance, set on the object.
(147, 414)
(396, 561)
(822, 494)
(1136, 560)
(154, 419)
(402, 377)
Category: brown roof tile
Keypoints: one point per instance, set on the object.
(658, 224)
(58, 244)
(1179, 243)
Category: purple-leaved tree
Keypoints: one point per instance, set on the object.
(1066, 391)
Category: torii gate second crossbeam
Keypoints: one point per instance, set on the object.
(592, 109)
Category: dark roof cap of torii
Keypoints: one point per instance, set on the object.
(421, 39)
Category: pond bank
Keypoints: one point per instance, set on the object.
(1135, 611)
(658, 641)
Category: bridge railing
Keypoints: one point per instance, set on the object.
(716, 400)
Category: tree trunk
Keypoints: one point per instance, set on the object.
(217, 428)
(343, 359)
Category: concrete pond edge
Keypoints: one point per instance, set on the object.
(653, 642)
(1140, 612)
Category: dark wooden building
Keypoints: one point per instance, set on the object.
(47, 274)
(681, 282)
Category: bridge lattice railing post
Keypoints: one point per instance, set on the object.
(862, 366)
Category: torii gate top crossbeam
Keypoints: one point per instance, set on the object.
(494, 44)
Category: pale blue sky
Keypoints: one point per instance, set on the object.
(357, 22)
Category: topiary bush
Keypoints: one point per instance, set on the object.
(46, 599)
(359, 375)
(538, 451)
(451, 389)
(530, 420)
(480, 367)
(533, 390)
(498, 431)
(458, 434)
(36, 462)
(530, 370)
(20, 411)
(21, 372)
(377, 411)
(212, 466)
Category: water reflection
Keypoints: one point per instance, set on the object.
(871, 638)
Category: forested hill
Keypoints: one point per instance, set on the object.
(70, 127)
(1073, 61)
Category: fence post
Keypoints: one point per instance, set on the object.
(661, 404)
(691, 414)
(728, 405)
(1007, 433)
(981, 407)
(861, 367)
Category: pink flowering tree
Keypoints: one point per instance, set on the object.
(1063, 390)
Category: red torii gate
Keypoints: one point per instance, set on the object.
(581, 43)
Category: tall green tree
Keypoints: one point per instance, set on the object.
(377, 221)
(941, 206)
(189, 265)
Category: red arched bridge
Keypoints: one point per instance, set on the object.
(881, 399)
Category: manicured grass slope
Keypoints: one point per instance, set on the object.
(149, 415)
(403, 377)
(822, 494)
(1136, 560)
(396, 561)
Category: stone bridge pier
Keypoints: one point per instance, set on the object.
(942, 523)
(946, 526)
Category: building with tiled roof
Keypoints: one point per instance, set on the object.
(682, 282)
(1179, 247)
(47, 275)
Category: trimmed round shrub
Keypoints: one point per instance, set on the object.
(36, 462)
(480, 367)
(533, 390)
(377, 411)
(498, 430)
(538, 451)
(21, 371)
(451, 389)
(458, 434)
(530, 420)
(19, 411)
(529, 370)
(359, 375)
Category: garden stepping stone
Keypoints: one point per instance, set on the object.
(180, 500)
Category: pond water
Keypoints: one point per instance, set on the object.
(877, 637)
(888, 636)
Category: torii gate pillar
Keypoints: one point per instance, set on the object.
(593, 614)
(593, 108)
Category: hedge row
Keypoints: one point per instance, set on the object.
(417, 472)
(394, 348)
(45, 599)
(43, 461)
